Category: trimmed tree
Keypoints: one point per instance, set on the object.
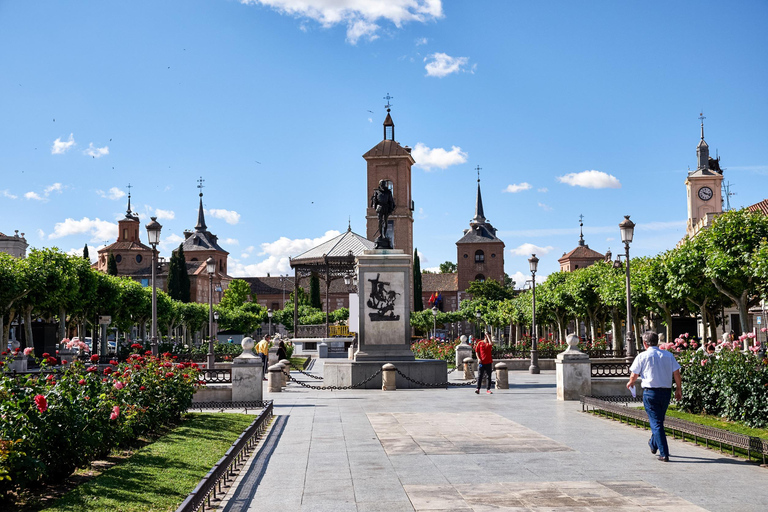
(418, 302)
(86, 256)
(314, 292)
(112, 265)
(178, 279)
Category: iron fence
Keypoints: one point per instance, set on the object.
(216, 376)
(610, 370)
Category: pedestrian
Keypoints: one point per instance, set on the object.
(484, 351)
(657, 368)
(281, 352)
(262, 348)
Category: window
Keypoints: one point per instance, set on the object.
(479, 256)
(480, 277)
(119, 258)
(466, 255)
(125, 233)
(493, 255)
(138, 258)
(275, 306)
(144, 282)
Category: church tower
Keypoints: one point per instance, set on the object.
(703, 185)
(480, 253)
(391, 162)
(130, 254)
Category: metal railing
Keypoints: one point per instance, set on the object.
(610, 370)
(224, 469)
(214, 376)
(679, 428)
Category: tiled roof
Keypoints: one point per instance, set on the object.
(340, 246)
(125, 246)
(273, 286)
(582, 252)
(201, 241)
(761, 207)
(440, 282)
(193, 267)
(480, 233)
(387, 148)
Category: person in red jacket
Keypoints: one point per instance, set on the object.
(483, 349)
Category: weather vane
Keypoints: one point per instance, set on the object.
(388, 105)
(478, 169)
(200, 185)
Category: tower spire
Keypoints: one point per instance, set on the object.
(389, 125)
(581, 230)
(702, 150)
(128, 212)
(200, 214)
(479, 213)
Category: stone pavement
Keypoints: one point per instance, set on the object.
(439, 450)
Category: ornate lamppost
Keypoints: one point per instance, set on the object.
(627, 228)
(434, 321)
(210, 266)
(533, 263)
(153, 236)
(269, 326)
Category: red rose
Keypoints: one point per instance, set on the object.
(94, 358)
(63, 361)
(92, 369)
(113, 362)
(142, 388)
(41, 402)
(107, 370)
(169, 375)
(45, 355)
(81, 382)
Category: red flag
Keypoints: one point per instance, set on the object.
(432, 297)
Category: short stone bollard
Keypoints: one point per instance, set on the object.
(502, 376)
(287, 368)
(282, 374)
(388, 377)
(275, 379)
(468, 373)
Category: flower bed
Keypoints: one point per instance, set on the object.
(434, 348)
(56, 421)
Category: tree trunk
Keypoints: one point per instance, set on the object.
(615, 328)
(743, 313)
(3, 336)
(704, 322)
(712, 327)
(62, 323)
(28, 326)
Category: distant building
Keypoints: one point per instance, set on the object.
(582, 256)
(130, 254)
(15, 245)
(704, 188)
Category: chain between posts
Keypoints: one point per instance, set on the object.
(307, 374)
(439, 384)
(332, 388)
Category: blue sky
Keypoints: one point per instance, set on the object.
(273, 103)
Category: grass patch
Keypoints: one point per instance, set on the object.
(717, 422)
(299, 362)
(159, 476)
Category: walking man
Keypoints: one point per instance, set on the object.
(262, 348)
(484, 351)
(657, 368)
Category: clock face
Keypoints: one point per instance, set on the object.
(705, 193)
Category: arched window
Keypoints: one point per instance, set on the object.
(119, 258)
(479, 256)
(138, 258)
(480, 277)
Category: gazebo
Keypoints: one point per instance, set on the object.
(333, 259)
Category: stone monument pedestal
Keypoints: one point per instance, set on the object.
(574, 372)
(463, 351)
(247, 375)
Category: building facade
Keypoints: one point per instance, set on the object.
(15, 245)
(704, 189)
(582, 256)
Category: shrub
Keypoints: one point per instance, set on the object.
(432, 348)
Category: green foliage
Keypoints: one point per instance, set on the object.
(732, 385)
(435, 349)
(86, 256)
(302, 295)
(490, 289)
(314, 292)
(418, 301)
(111, 265)
(448, 267)
(236, 294)
(178, 278)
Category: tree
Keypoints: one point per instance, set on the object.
(554, 299)
(489, 289)
(303, 300)
(86, 256)
(236, 294)
(418, 301)
(448, 267)
(15, 286)
(731, 244)
(112, 265)
(314, 292)
(178, 278)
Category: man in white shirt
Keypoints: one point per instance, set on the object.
(657, 368)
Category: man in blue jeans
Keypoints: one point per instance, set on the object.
(657, 368)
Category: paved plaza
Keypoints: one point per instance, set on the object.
(452, 450)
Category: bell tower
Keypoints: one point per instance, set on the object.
(704, 188)
(391, 162)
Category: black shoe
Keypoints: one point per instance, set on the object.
(477, 391)
(653, 450)
(664, 459)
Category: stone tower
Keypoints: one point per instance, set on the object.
(704, 190)
(130, 254)
(480, 253)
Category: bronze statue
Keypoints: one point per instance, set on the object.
(384, 204)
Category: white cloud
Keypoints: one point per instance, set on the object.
(428, 158)
(164, 214)
(276, 255)
(245, 255)
(422, 258)
(527, 249)
(542, 189)
(362, 18)
(545, 207)
(99, 230)
(434, 270)
(422, 215)
(611, 239)
(590, 179)
(171, 242)
(228, 216)
(40, 233)
(114, 193)
(421, 41)
(370, 119)
(7, 194)
(59, 147)
(33, 195)
(515, 188)
(56, 187)
(230, 241)
(95, 152)
(519, 278)
(441, 64)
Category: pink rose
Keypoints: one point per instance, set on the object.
(703, 362)
(28, 351)
(115, 413)
(119, 385)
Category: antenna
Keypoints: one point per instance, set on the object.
(727, 195)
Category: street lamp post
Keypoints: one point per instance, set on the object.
(153, 235)
(434, 321)
(533, 262)
(269, 326)
(627, 228)
(210, 265)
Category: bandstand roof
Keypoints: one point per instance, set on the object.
(342, 248)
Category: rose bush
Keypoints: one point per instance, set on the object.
(56, 421)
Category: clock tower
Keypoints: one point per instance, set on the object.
(703, 185)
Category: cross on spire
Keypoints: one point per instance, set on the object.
(478, 169)
(388, 106)
(581, 229)
(702, 118)
(200, 185)
(128, 211)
